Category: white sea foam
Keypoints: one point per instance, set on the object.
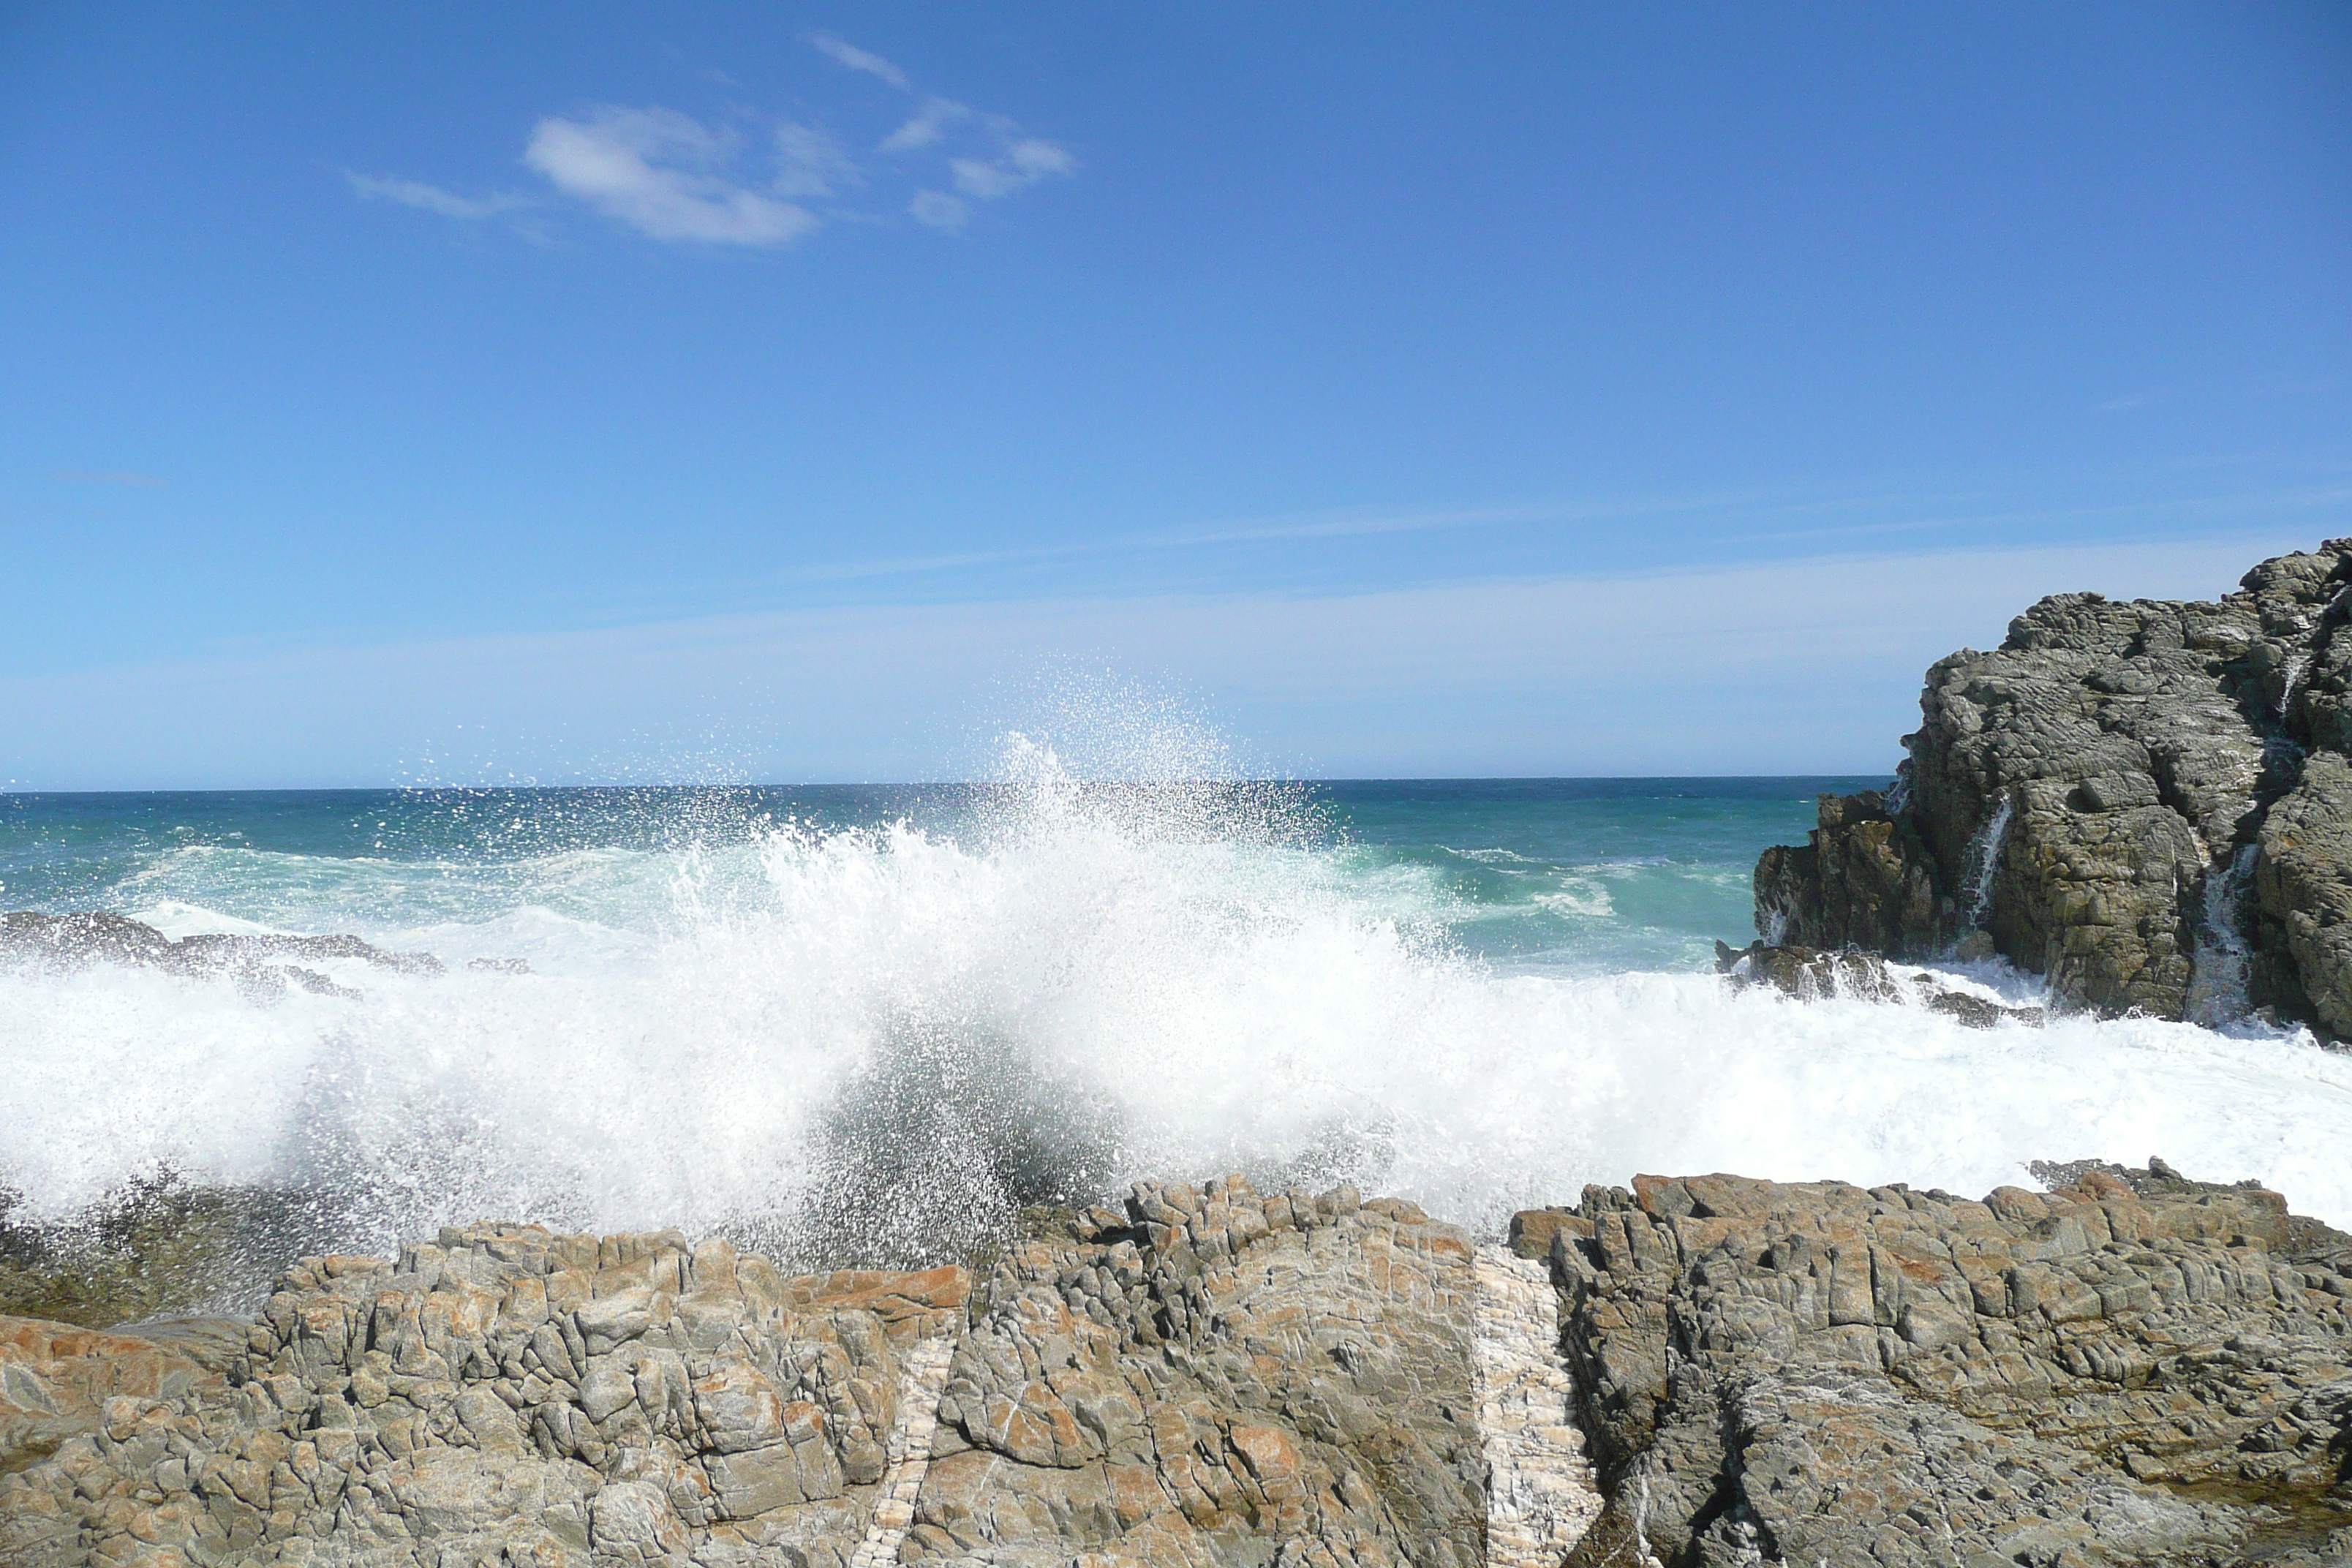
(177, 918)
(896, 1032)
(1497, 857)
(1580, 896)
(884, 1039)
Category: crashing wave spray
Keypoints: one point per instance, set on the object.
(877, 1044)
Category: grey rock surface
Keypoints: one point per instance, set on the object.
(260, 964)
(2129, 1369)
(502, 1396)
(2097, 796)
(1211, 1376)
(1866, 877)
(1216, 1376)
(2304, 887)
(2132, 1369)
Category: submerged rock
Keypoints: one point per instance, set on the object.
(157, 1245)
(2150, 802)
(1810, 974)
(255, 962)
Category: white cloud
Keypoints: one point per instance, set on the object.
(858, 59)
(431, 198)
(810, 162)
(925, 126)
(1024, 163)
(939, 209)
(657, 171)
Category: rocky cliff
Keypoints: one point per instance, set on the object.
(2129, 1369)
(2150, 802)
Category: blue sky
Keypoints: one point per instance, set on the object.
(782, 390)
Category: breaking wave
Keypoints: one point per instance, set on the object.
(878, 1042)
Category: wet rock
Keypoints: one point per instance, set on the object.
(1810, 974)
(78, 940)
(1864, 878)
(2138, 800)
(2304, 883)
(2131, 1368)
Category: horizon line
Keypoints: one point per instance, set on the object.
(17, 792)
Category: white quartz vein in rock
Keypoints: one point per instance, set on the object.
(924, 1380)
(1542, 1496)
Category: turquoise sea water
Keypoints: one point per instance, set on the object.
(1588, 875)
(881, 1018)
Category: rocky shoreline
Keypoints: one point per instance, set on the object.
(2129, 1368)
(2149, 803)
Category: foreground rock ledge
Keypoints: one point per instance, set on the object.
(1210, 1376)
(2130, 1369)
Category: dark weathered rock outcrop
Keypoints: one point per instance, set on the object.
(2303, 880)
(2150, 803)
(2131, 1369)
(1865, 877)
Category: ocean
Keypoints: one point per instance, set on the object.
(870, 1024)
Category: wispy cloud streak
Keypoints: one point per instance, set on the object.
(432, 198)
(1605, 674)
(854, 59)
(1022, 164)
(926, 126)
(1779, 524)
